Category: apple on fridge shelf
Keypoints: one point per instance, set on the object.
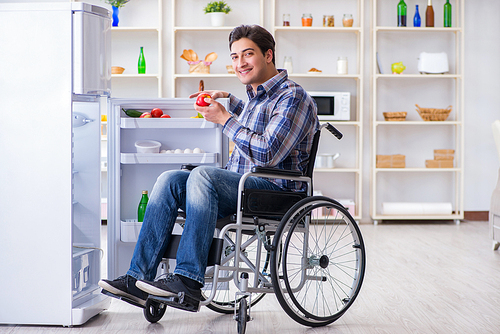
(156, 112)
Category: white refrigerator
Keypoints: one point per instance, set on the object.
(54, 81)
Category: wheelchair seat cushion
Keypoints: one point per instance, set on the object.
(268, 202)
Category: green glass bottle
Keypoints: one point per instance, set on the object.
(141, 65)
(141, 210)
(447, 14)
(401, 14)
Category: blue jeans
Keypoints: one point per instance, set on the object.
(205, 194)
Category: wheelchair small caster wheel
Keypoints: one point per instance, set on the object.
(242, 317)
(154, 311)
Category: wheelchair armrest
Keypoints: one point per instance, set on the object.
(276, 171)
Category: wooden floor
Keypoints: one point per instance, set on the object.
(420, 278)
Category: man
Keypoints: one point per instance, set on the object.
(274, 128)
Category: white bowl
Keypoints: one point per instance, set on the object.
(147, 146)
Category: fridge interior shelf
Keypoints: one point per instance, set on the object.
(177, 123)
(168, 158)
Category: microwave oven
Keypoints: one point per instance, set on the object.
(333, 106)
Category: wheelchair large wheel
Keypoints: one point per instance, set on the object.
(224, 300)
(322, 264)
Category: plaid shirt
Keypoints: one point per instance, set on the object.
(274, 128)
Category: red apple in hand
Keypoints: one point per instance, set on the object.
(201, 100)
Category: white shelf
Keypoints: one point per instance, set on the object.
(197, 75)
(154, 76)
(418, 76)
(417, 217)
(417, 29)
(168, 158)
(356, 30)
(420, 123)
(292, 75)
(208, 28)
(165, 123)
(337, 170)
(130, 29)
(417, 169)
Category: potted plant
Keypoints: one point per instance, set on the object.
(217, 10)
(116, 4)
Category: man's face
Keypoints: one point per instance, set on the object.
(250, 65)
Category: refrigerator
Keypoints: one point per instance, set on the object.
(55, 80)
(184, 140)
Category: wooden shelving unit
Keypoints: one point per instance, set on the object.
(124, 37)
(415, 183)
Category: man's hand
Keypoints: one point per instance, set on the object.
(215, 112)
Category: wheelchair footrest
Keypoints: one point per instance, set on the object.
(123, 298)
(181, 301)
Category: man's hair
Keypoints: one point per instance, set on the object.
(256, 34)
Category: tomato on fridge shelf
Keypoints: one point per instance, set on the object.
(165, 116)
(156, 112)
(201, 100)
(146, 115)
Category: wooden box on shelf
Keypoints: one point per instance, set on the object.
(439, 163)
(395, 116)
(391, 161)
(444, 154)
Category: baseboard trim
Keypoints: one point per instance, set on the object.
(476, 215)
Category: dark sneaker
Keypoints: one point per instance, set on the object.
(124, 286)
(168, 287)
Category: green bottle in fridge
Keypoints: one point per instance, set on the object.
(141, 65)
(141, 210)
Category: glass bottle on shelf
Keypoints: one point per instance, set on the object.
(401, 14)
(429, 15)
(347, 21)
(141, 64)
(416, 18)
(141, 210)
(307, 20)
(342, 65)
(288, 64)
(286, 20)
(328, 21)
(447, 14)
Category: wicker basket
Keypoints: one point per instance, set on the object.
(433, 114)
(395, 116)
(117, 70)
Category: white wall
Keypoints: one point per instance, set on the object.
(482, 92)
(482, 101)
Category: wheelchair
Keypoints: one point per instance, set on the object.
(307, 250)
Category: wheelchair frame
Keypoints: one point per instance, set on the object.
(301, 217)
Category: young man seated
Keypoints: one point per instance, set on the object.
(274, 128)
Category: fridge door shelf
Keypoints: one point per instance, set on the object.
(82, 271)
(168, 158)
(159, 123)
(129, 230)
